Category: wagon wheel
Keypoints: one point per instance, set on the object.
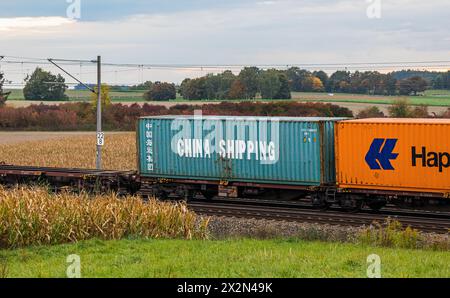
(376, 206)
(355, 206)
(209, 195)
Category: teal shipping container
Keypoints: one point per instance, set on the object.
(260, 150)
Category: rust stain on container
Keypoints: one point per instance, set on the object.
(394, 154)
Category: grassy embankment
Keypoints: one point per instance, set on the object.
(231, 258)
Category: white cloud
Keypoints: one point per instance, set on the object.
(284, 32)
(27, 23)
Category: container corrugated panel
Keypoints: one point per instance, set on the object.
(394, 154)
(284, 150)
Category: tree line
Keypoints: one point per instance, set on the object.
(278, 84)
(252, 82)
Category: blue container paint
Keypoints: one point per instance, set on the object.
(266, 150)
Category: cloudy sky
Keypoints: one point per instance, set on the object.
(220, 32)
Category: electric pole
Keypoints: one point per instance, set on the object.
(100, 135)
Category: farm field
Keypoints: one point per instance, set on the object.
(430, 97)
(85, 95)
(71, 150)
(224, 258)
(25, 136)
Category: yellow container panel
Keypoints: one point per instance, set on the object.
(394, 154)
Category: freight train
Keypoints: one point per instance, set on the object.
(329, 161)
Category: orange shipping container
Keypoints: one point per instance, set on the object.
(394, 154)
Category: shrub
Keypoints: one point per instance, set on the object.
(391, 234)
(420, 112)
(445, 114)
(371, 112)
(400, 109)
(118, 117)
(105, 98)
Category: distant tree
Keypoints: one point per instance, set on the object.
(409, 73)
(371, 112)
(438, 82)
(3, 95)
(42, 85)
(212, 86)
(274, 85)
(269, 84)
(296, 77)
(284, 92)
(105, 98)
(322, 76)
(339, 82)
(161, 91)
(418, 84)
(249, 77)
(390, 84)
(147, 85)
(313, 84)
(184, 87)
(194, 89)
(412, 85)
(237, 91)
(226, 80)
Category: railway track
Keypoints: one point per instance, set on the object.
(438, 222)
(261, 211)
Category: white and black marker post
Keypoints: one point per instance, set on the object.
(100, 134)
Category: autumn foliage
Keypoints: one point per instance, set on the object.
(119, 117)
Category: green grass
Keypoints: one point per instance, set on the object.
(415, 101)
(430, 97)
(85, 95)
(231, 258)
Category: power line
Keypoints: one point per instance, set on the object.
(72, 76)
(223, 66)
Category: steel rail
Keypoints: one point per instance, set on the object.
(315, 216)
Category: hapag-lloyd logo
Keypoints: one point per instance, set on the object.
(381, 153)
(227, 138)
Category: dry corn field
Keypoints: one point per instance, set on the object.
(119, 152)
(33, 216)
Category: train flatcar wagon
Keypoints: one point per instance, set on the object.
(225, 154)
(408, 158)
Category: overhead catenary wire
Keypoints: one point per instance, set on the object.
(26, 64)
(29, 60)
(70, 75)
